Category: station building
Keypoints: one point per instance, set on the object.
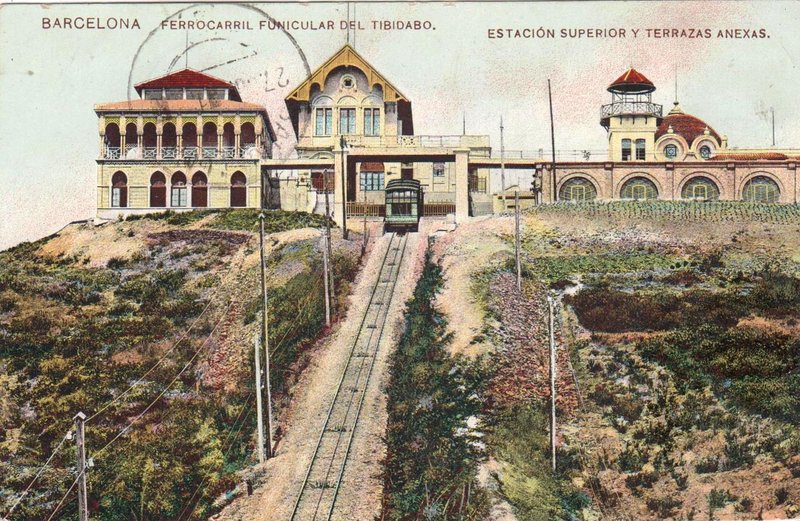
(191, 142)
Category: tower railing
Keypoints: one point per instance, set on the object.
(620, 108)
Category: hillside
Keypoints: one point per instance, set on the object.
(146, 326)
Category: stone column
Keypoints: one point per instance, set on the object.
(158, 145)
(462, 184)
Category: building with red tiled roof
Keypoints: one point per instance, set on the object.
(188, 142)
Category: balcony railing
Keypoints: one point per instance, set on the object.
(169, 152)
(150, 152)
(209, 152)
(247, 151)
(620, 108)
(228, 152)
(453, 141)
(190, 152)
(112, 153)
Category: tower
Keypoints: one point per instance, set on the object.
(631, 119)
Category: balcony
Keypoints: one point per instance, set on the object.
(169, 152)
(361, 141)
(629, 108)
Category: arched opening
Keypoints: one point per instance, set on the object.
(761, 189)
(248, 139)
(158, 190)
(131, 138)
(577, 189)
(178, 192)
(119, 190)
(700, 189)
(238, 190)
(199, 190)
(639, 188)
(189, 138)
(209, 140)
(149, 141)
(228, 141)
(111, 140)
(169, 141)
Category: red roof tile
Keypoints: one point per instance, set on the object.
(746, 156)
(632, 81)
(190, 79)
(686, 126)
(179, 105)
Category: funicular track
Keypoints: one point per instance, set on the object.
(320, 488)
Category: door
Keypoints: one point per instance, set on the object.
(407, 173)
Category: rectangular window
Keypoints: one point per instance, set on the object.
(324, 122)
(626, 149)
(152, 93)
(371, 181)
(640, 150)
(215, 93)
(347, 121)
(116, 197)
(194, 93)
(179, 196)
(438, 170)
(372, 122)
(174, 94)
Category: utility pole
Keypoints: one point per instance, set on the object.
(517, 239)
(552, 144)
(502, 167)
(343, 146)
(80, 443)
(325, 278)
(364, 232)
(265, 334)
(329, 269)
(552, 383)
(259, 406)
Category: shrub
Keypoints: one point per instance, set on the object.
(664, 506)
(707, 465)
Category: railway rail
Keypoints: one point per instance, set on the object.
(317, 497)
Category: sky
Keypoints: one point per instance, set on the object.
(50, 79)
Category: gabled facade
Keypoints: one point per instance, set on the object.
(189, 141)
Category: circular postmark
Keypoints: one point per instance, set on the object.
(262, 64)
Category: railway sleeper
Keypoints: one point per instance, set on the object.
(320, 484)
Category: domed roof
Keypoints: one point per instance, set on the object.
(685, 125)
(632, 81)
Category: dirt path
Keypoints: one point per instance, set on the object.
(360, 492)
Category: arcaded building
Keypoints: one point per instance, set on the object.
(188, 141)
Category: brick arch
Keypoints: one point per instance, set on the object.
(621, 182)
(582, 175)
(714, 178)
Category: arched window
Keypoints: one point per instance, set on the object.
(761, 189)
(209, 140)
(639, 188)
(178, 193)
(700, 188)
(149, 141)
(119, 190)
(238, 190)
(626, 149)
(248, 139)
(169, 141)
(228, 141)
(671, 151)
(705, 151)
(189, 138)
(199, 190)
(131, 138)
(158, 190)
(577, 189)
(112, 141)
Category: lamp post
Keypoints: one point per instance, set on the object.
(345, 148)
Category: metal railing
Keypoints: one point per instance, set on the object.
(438, 209)
(149, 152)
(112, 153)
(546, 155)
(189, 153)
(619, 108)
(452, 141)
(209, 152)
(169, 152)
(360, 209)
(228, 152)
(247, 151)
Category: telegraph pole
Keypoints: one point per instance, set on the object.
(80, 443)
(343, 146)
(552, 383)
(502, 167)
(517, 239)
(329, 269)
(265, 334)
(553, 145)
(325, 278)
(259, 406)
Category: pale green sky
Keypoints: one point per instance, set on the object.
(50, 79)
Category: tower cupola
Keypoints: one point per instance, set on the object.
(631, 119)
